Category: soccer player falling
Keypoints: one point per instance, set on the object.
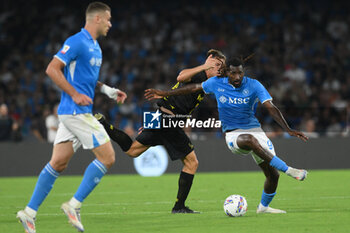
(80, 59)
(237, 97)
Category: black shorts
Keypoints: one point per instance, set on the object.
(174, 140)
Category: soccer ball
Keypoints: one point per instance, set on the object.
(235, 205)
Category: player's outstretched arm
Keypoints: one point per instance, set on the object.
(278, 117)
(54, 71)
(186, 74)
(151, 94)
(112, 92)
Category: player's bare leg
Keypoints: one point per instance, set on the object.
(270, 186)
(249, 142)
(105, 154)
(136, 149)
(61, 155)
(185, 182)
(105, 158)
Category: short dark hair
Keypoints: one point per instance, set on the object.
(216, 53)
(96, 7)
(235, 62)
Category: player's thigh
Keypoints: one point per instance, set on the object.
(231, 142)
(61, 154)
(105, 154)
(136, 149)
(177, 143)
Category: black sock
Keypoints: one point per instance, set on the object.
(123, 140)
(185, 183)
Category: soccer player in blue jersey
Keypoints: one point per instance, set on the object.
(75, 69)
(237, 98)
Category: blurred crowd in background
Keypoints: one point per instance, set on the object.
(301, 55)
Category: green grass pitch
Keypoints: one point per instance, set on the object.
(130, 203)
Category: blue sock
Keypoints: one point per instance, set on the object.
(278, 164)
(266, 198)
(92, 176)
(43, 186)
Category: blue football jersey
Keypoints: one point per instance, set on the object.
(82, 57)
(237, 106)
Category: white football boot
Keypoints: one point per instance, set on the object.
(73, 216)
(299, 174)
(263, 209)
(27, 221)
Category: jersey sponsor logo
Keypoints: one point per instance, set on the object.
(239, 100)
(222, 99)
(95, 61)
(65, 49)
(151, 120)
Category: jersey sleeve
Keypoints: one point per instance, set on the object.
(69, 50)
(262, 93)
(208, 86)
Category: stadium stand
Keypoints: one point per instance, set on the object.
(302, 56)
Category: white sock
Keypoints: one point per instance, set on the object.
(30, 212)
(75, 203)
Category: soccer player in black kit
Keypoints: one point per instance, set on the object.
(174, 140)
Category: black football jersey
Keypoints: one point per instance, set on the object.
(184, 104)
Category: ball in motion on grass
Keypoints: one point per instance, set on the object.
(235, 205)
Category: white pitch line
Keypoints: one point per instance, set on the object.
(168, 212)
(169, 202)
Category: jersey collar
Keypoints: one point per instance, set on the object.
(86, 34)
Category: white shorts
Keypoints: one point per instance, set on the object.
(81, 129)
(258, 133)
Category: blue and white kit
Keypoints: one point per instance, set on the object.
(237, 107)
(82, 57)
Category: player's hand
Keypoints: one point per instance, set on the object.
(210, 62)
(298, 134)
(81, 99)
(151, 94)
(121, 96)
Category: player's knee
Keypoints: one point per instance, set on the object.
(194, 165)
(110, 160)
(191, 164)
(59, 166)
